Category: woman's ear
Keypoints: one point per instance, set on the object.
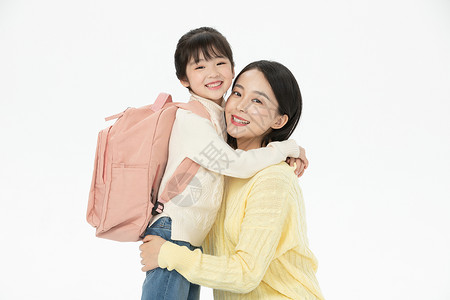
(280, 122)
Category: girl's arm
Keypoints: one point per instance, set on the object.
(202, 144)
(260, 232)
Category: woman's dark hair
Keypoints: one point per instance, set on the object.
(287, 92)
(206, 40)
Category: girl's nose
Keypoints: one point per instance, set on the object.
(214, 72)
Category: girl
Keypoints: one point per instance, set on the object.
(258, 247)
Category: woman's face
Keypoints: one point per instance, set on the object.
(252, 110)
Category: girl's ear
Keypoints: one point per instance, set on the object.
(185, 83)
(280, 122)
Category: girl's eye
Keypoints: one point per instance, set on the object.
(256, 101)
(221, 63)
(199, 67)
(236, 93)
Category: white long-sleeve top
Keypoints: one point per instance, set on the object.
(194, 210)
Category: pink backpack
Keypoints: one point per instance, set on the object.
(130, 161)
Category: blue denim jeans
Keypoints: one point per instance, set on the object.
(162, 284)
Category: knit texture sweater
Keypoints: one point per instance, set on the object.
(194, 210)
(258, 246)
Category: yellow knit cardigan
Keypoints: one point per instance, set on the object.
(258, 247)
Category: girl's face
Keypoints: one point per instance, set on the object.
(209, 79)
(252, 110)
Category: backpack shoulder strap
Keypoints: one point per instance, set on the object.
(184, 173)
(196, 107)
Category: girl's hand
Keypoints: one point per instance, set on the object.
(301, 162)
(149, 252)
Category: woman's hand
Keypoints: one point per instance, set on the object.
(301, 162)
(149, 252)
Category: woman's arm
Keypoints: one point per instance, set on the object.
(202, 144)
(260, 232)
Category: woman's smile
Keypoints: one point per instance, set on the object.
(239, 121)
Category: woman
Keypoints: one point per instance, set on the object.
(258, 247)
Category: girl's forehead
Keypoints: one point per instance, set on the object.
(205, 53)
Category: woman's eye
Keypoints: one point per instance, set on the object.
(236, 93)
(256, 101)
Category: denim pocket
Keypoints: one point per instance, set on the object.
(162, 227)
(164, 222)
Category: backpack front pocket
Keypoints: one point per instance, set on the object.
(128, 196)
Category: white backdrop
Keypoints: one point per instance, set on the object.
(375, 77)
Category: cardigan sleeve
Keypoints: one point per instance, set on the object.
(204, 146)
(260, 233)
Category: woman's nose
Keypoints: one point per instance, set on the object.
(242, 106)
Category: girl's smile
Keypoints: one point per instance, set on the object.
(214, 85)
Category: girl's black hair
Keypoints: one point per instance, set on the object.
(287, 92)
(205, 40)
